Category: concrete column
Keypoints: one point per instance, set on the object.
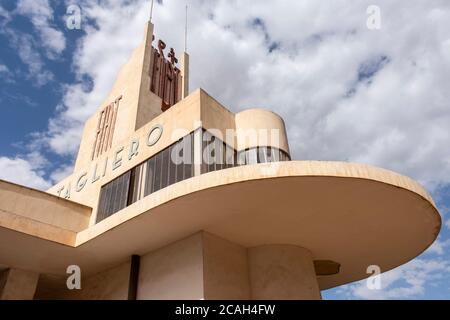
(18, 285)
(282, 272)
(185, 75)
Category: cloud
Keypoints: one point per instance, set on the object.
(41, 15)
(61, 173)
(6, 74)
(408, 281)
(97, 59)
(438, 247)
(24, 172)
(26, 50)
(3, 69)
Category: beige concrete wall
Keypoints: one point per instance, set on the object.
(174, 272)
(108, 285)
(270, 127)
(225, 269)
(18, 285)
(137, 107)
(111, 284)
(217, 118)
(24, 202)
(282, 272)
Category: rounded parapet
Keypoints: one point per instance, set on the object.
(260, 128)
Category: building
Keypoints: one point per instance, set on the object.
(175, 197)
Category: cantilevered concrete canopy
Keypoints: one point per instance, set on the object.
(355, 215)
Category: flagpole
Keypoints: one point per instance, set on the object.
(186, 30)
(151, 11)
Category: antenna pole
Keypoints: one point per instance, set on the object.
(186, 30)
(151, 11)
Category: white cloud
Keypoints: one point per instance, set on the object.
(61, 173)
(26, 50)
(438, 247)
(23, 172)
(3, 69)
(406, 282)
(41, 15)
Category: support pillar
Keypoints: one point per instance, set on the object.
(18, 285)
(282, 272)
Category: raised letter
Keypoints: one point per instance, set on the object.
(152, 141)
(81, 183)
(117, 160)
(134, 149)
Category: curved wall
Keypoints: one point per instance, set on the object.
(260, 128)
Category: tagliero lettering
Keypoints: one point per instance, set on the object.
(100, 169)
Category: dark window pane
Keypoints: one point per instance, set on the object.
(180, 167)
(150, 176)
(275, 155)
(241, 158)
(218, 159)
(135, 185)
(252, 156)
(262, 155)
(173, 155)
(165, 168)
(188, 147)
(204, 168)
(157, 179)
(211, 155)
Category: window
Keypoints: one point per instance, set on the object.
(217, 155)
(169, 166)
(114, 196)
(262, 155)
(175, 164)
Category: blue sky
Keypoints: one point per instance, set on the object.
(346, 92)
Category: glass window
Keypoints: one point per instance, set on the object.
(180, 167)
(252, 156)
(165, 168)
(188, 163)
(114, 196)
(157, 179)
(149, 180)
(172, 164)
(212, 153)
(262, 155)
(230, 157)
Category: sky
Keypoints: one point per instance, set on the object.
(360, 81)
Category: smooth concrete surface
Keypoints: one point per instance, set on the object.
(282, 272)
(174, 272)
(225, 269)
(18, 284)
(41, 214)
(43, 207)
(270, 129)
(111, 284)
